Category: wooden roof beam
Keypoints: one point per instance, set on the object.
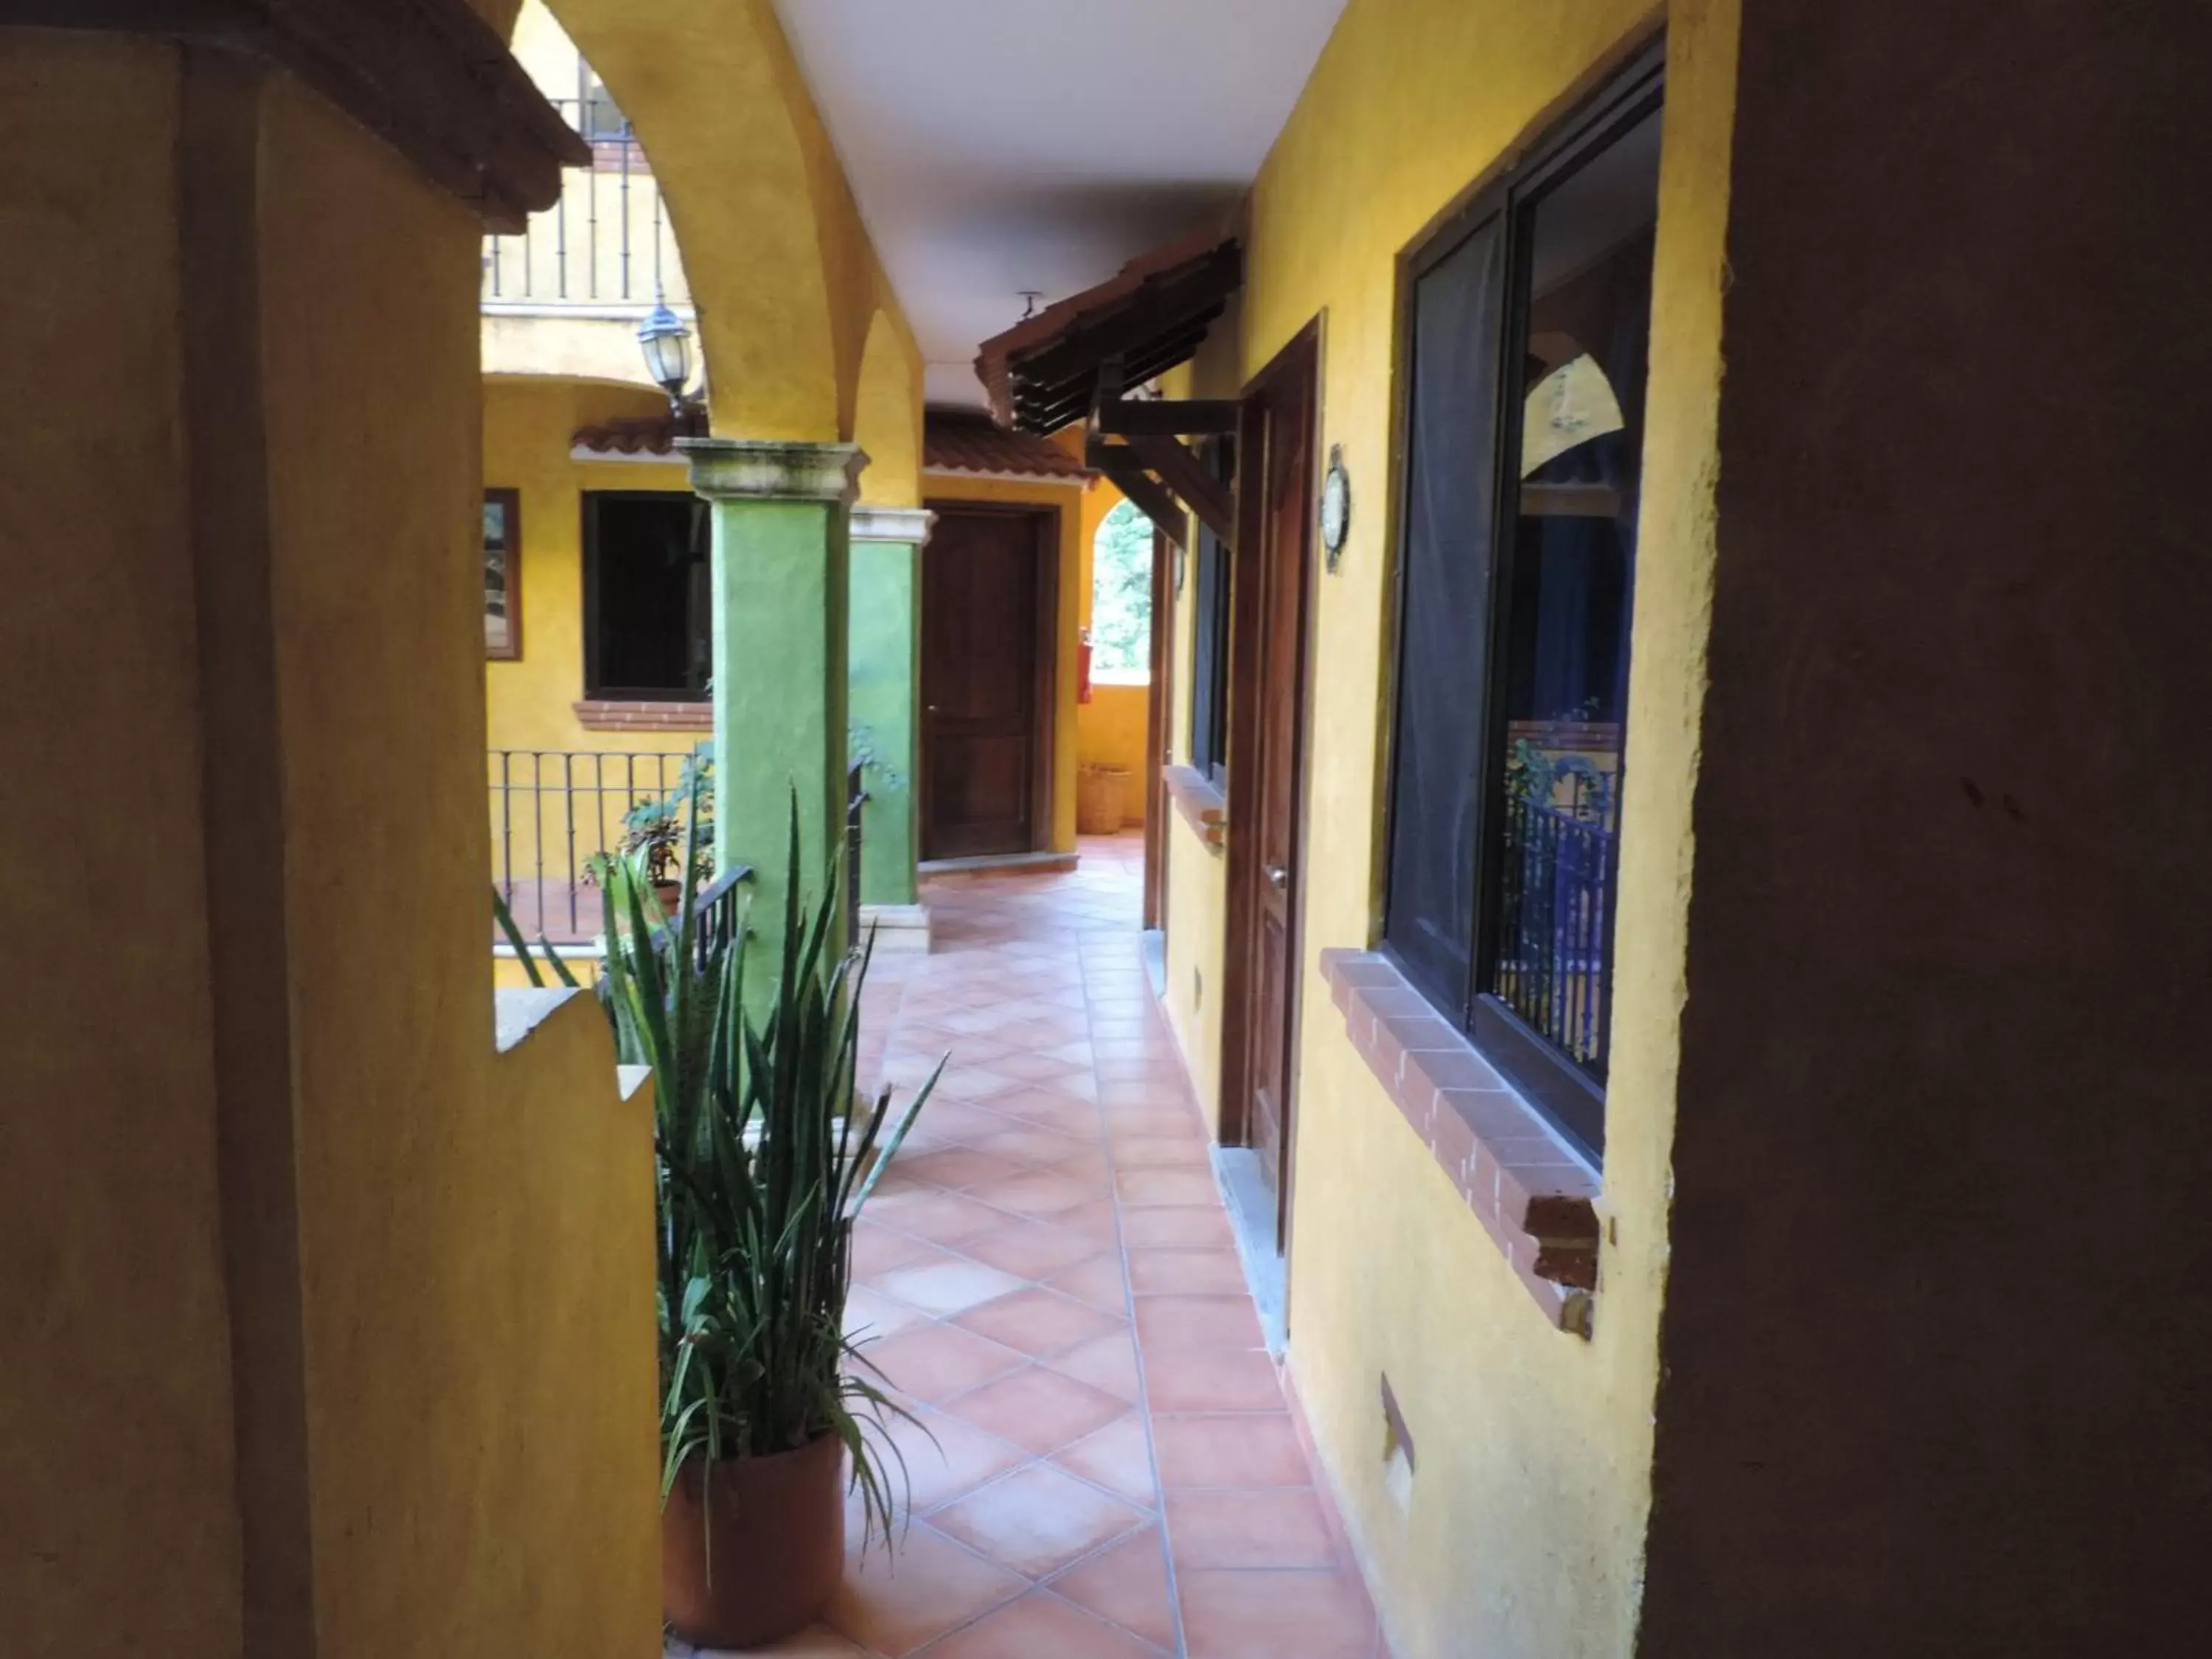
(1171, 417)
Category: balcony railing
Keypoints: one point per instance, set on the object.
(606, 242)
(552, 812)
(1555, 935)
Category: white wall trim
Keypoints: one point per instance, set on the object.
(910, 525)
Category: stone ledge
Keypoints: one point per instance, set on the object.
(1199, 803)
(896, 927)
(596, 715)
(1534, 1197)
(517, 1013)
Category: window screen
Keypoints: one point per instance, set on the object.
(1527, 340)
(1458, 313)
(648, 596)
(1209, 697)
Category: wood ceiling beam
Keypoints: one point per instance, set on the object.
(1157, 309)
(1034, 405)
(1168, 416)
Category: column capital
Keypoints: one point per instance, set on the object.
(765, 470)
(911, 525)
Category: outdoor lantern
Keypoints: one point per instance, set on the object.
(666, 343)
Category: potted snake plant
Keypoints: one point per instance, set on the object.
(767, 1153)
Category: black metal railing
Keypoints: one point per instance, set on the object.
(552, 812)
(856, 797)
(606, 241)
(1554, 965)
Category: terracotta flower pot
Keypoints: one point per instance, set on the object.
(776, 1548)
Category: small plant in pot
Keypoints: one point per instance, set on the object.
(659, 830)
(767, 1153)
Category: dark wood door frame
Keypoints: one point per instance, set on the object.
(1044, 727)
(1242, 935)
(1159, 715)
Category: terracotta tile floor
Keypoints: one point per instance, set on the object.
(1051, 1285)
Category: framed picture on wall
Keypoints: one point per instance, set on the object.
(502, 573)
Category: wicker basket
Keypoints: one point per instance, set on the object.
(1098, 799)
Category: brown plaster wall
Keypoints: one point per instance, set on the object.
(1938, 1333)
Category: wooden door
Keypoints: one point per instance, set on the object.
(985, 680)
(1267, 729)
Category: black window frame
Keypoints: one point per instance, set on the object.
(1210, 579)
(1571, 1099)
(595, 690)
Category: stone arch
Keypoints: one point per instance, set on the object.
(717, 102)
(887, 414)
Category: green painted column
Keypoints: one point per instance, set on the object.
(885, 711)
(781, 585)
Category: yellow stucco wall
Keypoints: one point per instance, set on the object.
(471, 1300)
(454, 1466)
(531, 701)
(527, 425)
(887, 418)
(1523, 1532)
(1111, 729)
(782, 269)
(116, 1458)
(949, 489)
(1198, 889)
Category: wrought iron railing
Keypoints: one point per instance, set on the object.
(552, 812)
(856, 797)
(606, 242)
(1554, 963)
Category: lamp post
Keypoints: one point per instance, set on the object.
(666, 343)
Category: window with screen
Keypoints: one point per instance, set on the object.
(502, 573)
(1209, 690)
(1528, 321)
(648, 630)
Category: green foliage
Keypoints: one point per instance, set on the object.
(765, 1154)
(861, 749)
(656, 826)
(505, 917)
(1121, 592)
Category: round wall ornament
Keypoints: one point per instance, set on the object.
(1335, 505)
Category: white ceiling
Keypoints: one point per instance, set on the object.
(1000, 145)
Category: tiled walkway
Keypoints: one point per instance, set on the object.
(1053, 1286)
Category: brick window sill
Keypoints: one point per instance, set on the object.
(1199, 803)
(1533, 1196)
(596, 715)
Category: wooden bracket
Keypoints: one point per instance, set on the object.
(1119, 463)
(1183, 473)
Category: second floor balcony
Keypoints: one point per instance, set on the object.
(607, 246)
